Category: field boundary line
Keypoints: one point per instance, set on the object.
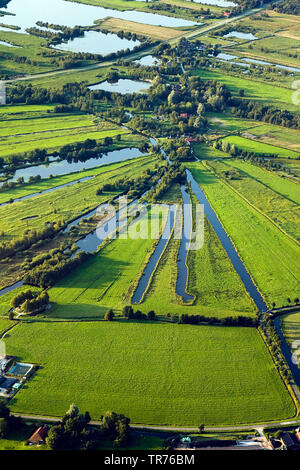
(254, 207)
(234, 245)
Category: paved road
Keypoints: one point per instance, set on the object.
(137, 55)
(257, 426)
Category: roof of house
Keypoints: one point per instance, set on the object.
(40, 434)
(290, 440)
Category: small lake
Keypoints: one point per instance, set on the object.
(224, 56)
(28, 12)
(148, 60)
(63, 167)
(239, 35)
(122, 86)
(96, 42)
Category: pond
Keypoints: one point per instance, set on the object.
(122, 86)
(72, 14)
(149, 60)
(96, 42)
(63, 167)
(224, 56)
(239, 35)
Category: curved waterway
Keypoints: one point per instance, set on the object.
(10, 288)
(286, 351)
(29, 196)
(227, 245)
(186, 234)
(155, 257)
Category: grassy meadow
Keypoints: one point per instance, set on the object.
(107, 280)
(48, 183)
(114, 25)
(155, 373)
(271, 180)
(205, 268)
(259, 147)
(260, 244)
(263, 92)
(54, 139)
(278, 136)
(66, 203)
(282, 211)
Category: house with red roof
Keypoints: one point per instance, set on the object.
(39, 436)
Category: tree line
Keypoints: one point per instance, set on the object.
(51, 270)
(28, 239)
(74, 431)
(130, 314)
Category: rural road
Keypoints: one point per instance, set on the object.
(137, 55)
(258, 426)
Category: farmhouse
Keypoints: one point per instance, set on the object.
(290, 441)
(5, 362)
(39, 436)
(6, 385)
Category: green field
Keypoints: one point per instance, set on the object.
(259, 147)
(282, 186)
(53, 140)
(4, 324)
(204, 152)
(278, 136)
(31, 110)
(54, 123)
(225, 123)
(276, 50)
(154, 373)
(206, 266)
(258, 91)
(48, 183)
(282, 211)
(29, 46)
(66, 203)
(105, 281)
(269, 255)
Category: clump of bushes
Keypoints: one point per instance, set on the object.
(30, 302)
